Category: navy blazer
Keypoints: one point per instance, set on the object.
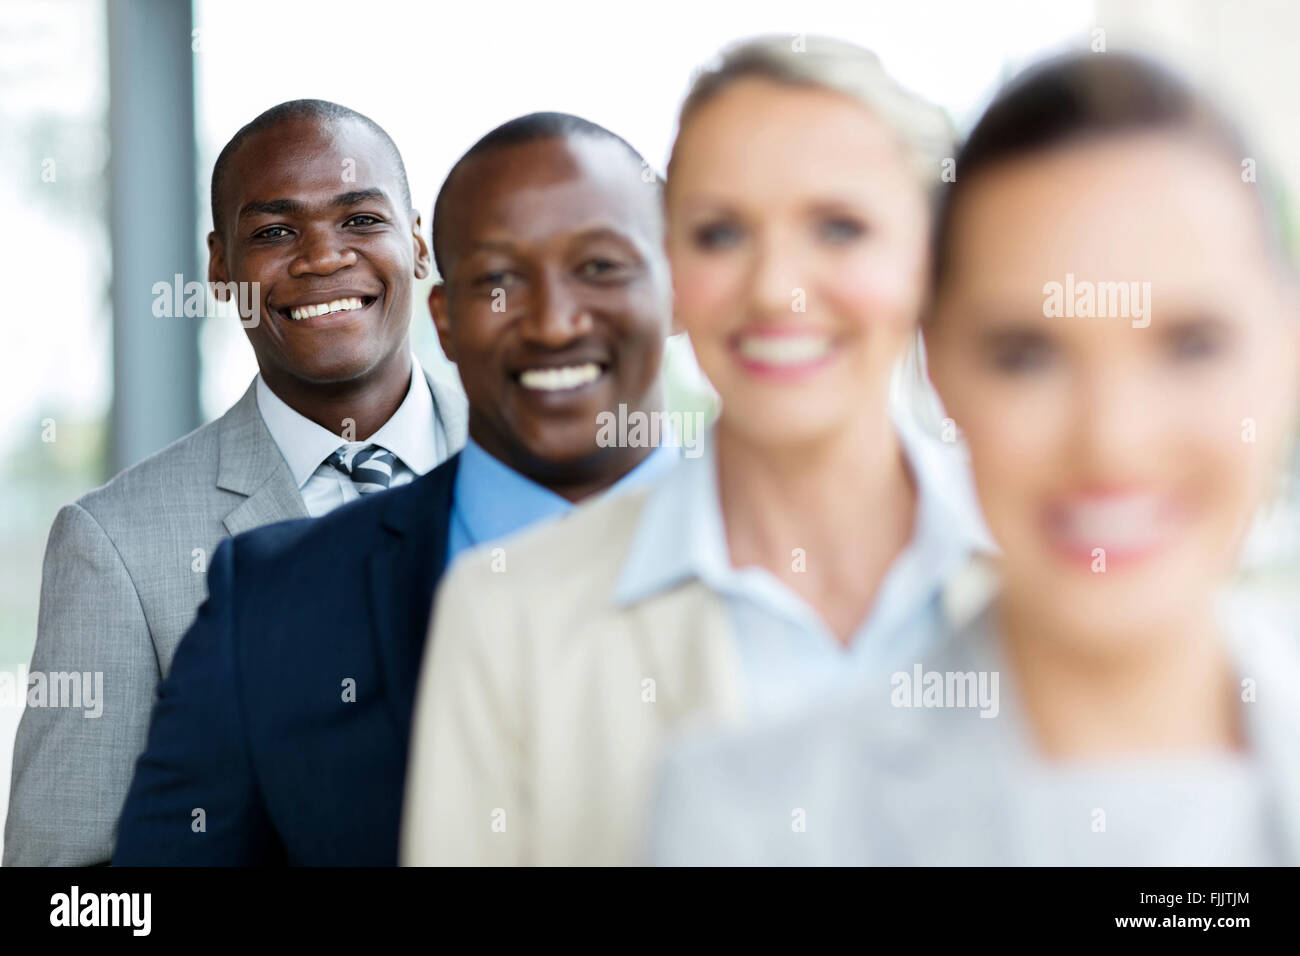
(281, 733)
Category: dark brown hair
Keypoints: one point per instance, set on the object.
(1089, 95)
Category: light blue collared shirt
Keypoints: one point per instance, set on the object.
(491, 500)
(787, 653)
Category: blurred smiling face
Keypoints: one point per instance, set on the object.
(335, 257)
(797, 237)
(1118, 462)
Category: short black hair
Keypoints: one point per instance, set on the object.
(517, 132)
(1078, 96)
(322, 110)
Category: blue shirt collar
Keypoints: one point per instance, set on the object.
(491, 500)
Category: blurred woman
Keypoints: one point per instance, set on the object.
(806, 547)
(1115, 329)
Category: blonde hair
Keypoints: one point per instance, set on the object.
(836, 66)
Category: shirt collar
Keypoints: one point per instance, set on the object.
(681, 534)
(492, 500)
(410, 434)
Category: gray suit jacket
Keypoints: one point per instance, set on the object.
(862, 780)
(122, 581)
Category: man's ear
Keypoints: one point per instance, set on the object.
(218, 271)
(423, 261)
(441, 320)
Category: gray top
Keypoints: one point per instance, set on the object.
(879, 777)
(1166, 811)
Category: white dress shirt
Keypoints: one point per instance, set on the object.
(414, 434)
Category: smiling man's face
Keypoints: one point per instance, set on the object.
(556, 300)
(315, 213)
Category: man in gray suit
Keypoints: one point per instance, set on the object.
(312, 211)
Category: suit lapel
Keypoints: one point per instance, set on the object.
(402, 574)
(277, 500)
(250, 463)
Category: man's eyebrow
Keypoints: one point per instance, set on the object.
(604, 232)
(277, 207)
(586, 235)
(639, 244)
(271, 207)
(358, 196)
(503, 245)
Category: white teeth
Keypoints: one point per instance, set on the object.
(559, 379)
(325, 308)
(1122, 523)
(784, 349)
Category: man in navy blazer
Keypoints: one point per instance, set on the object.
(282, 730)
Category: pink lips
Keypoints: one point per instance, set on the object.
(783, 354)
(1125, 526)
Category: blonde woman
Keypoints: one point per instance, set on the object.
(1116, 703)
(805, 548)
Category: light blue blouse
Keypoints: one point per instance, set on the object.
(786, 651)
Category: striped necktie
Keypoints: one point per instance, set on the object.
(370, 467)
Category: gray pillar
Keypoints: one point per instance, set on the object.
(153, 223)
